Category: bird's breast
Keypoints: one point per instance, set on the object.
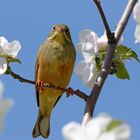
(56, 65)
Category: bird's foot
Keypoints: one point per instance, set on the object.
(39, 85)
(70, 91)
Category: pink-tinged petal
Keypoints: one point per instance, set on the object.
(137, 12)
(12, 48)
(3, 65)
(137, 34)
(3, 42)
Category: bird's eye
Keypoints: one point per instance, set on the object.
(67, 30)
(53, 28)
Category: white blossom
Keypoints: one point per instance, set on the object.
(90, 42)
(96, 129)
(87, 72)
(90, 46)
(5, 104)
(137, 34)
(137, 19)
(8, 49)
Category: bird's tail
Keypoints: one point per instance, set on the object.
(42, 126)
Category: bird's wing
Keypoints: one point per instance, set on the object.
(36, 73)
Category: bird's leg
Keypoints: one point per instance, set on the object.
(39, 85)
(69, 91)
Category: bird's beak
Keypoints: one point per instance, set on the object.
(60, 30)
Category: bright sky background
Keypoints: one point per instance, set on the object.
(30, 21)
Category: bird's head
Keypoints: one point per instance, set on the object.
(60, 32)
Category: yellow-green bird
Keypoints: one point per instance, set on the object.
(54, 65)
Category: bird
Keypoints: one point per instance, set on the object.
(54, 65)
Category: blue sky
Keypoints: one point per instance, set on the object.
(30, 22)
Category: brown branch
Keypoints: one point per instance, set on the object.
(21, 79)
(76, 92)
(98, 4)
(92, 99)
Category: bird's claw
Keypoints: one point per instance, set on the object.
(39, 85)
(70, 91)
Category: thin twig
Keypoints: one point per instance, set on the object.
(76, 92)
(98, 4)
(92, 99)
(21, 79)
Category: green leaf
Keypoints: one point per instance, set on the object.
(113, 124)
(10, 59)
(98, 62)
(9, 70)
(133, 54)
(123, 52)
(102, 55)
(122, 72)
(4, 55)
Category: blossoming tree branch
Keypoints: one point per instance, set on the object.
(101, 56)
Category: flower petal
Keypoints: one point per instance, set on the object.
(5, 104)
(97, 125)
(73, 131)
(12, 48)
(88, 36)
(3, 65)
(122, 132)
(96, 129)
(92, 81)
(79, 68)
(1, 89)
(87, 56)
(79, 46)
(87, 73)
(137, 12)
(137, 34)
(3, 42)
(85, 46)
(84, 70)
(83, 35)
(102, 42)
(86, 50)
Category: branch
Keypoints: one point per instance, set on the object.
(92, 99)
(21, 79)
(76, 92)
(98, 4)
